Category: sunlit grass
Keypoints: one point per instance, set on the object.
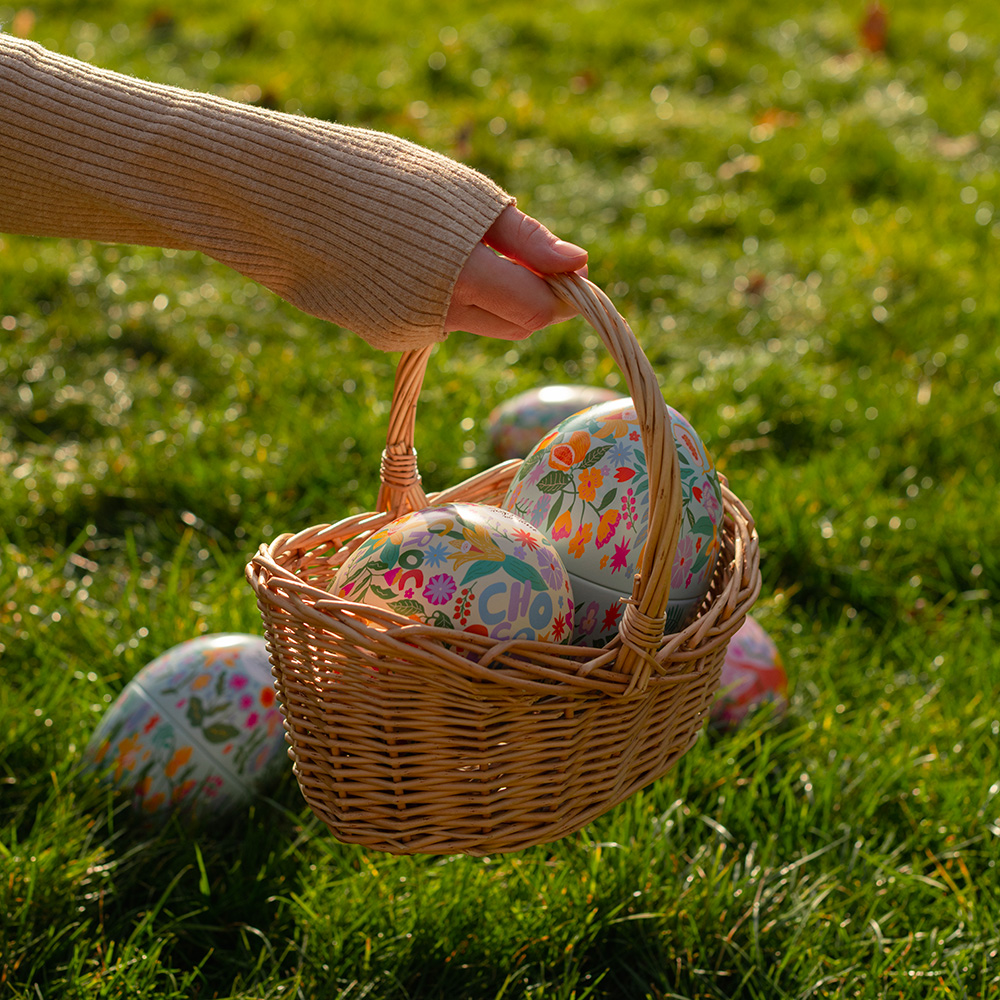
(803, 234)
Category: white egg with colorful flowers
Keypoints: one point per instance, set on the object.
(196, 732)
(466, 566)
(587, 485)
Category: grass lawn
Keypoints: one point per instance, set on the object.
(804, 233)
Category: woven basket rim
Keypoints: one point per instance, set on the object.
(547, 665)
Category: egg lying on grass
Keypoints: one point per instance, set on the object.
(753, 675)
(515, 425)
(197, 731)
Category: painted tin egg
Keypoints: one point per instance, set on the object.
(515, 426)
(752, 675)
(197, 731)
(586, 484)
(464, 566)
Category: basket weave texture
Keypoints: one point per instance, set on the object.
(413, 739)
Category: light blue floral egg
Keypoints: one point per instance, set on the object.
(197, 731)
(587, 486)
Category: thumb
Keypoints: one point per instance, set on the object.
(525, 240)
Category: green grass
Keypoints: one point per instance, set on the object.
(805, 238)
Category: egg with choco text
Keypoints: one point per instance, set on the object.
(586, 484)
(196, 732)
(466, 566)
(753, 675)
(515, 425)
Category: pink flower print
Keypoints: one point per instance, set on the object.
(409, 592)
(710, 501)
(439, 589)
(682, 562)
(252, 720)
(533, 476)
(589, 621)
(620, 559)
(238, 681)
(246, 701)
(628, 508)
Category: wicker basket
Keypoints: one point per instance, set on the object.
(403, 743)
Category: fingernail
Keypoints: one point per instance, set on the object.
(568, 249)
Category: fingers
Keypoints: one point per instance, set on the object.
(472, 319)
(528, 242)
(494, 297)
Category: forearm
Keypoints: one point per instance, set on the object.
(354, 226)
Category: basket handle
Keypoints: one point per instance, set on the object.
(642, 624)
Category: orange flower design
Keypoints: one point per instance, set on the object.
(154, 802)
(563, 525)
(202, 680)
(607, 525)
(615, 426)
(181, 756)
(590, 481)
(127, 749)
(226, 656)
(182, 791)
(566, 454)
(580, 539)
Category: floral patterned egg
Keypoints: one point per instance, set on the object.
(587, 485)
(515, 426)
(197, 731)
(464, 566)
(752, 675)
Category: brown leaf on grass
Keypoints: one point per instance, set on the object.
(874, 28)
(777, 117)
(23, 22)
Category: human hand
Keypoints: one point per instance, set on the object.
(503, 296)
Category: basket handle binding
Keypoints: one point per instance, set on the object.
(642, 624)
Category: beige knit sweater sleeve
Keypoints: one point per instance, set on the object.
(353, 226)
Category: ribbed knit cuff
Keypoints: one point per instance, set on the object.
(354, 226)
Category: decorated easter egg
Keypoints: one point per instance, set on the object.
(197, 731)
(752, 675)
(515, 426)
(465, 566)
(586, 484)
